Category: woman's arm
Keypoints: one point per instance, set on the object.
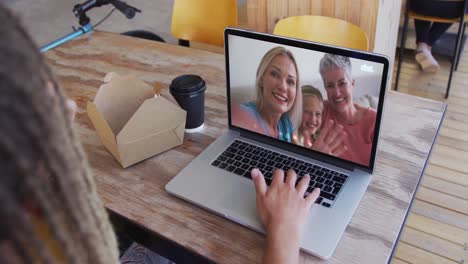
(283, 211)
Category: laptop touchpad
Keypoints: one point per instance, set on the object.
(240, 203)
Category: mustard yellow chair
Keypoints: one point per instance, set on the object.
(323, 29)
(203, 20)
(461, 20)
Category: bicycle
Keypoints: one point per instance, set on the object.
(85, 24)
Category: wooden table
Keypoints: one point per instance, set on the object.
(410, 125)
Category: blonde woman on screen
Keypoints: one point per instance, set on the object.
(277, 108)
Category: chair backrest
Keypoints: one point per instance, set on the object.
(203, 20)
(323, 29)
(430, 10)
(418, 16)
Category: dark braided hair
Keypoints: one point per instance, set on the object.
(44, 175)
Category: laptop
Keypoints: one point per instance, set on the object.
(219, 178)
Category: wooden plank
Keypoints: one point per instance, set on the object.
(438, 229)
(416, 255)
(447, 140)
(434, 95)
(257, 15)
(276, 10)
(456, 127)
(328, 8)
(354, 12)
(298, 7)
(440, 214)
(455, 100)
(341, 9)
(411, 69)
(462, 109)
(450, 163)
(462, 118)
(461, 94)
(448, 152)
(444, 200)
(428, 242)
(427, 80)
(398, 261)
(446, 187)
(367, 20)
(242, 15)
(423, 80)
(447, 174)
(440, 79)
(316, 7)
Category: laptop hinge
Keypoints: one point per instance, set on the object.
(298, 150)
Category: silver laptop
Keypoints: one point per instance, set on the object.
(219, 178)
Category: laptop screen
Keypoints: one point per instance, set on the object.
(323, 99)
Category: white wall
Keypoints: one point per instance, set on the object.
(245, 55)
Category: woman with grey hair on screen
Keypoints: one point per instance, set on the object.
(358, 121)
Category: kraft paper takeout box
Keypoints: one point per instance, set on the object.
(131, 122)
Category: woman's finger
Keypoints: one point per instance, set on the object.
(310, 199)
(295, 139)
(291, 178)
(327, 128)
(303, 184)
(338, 151)
(259, 180)
(278, 177)
(338, 140)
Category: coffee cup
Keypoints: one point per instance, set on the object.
(189, 92)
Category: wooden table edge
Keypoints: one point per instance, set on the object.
(413, 196)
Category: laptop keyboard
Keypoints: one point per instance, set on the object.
(241, 157)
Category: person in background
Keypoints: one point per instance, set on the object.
(51, 212)
(427, 32)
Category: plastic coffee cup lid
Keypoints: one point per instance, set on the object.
(187, 84)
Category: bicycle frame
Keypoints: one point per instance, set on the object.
(79, 32)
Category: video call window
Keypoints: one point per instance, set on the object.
(320, 101)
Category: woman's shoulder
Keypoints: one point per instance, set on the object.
(365, 111)
(249, 106)
(244, 112)
(246, 115)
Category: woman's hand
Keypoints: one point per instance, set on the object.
(283, 211)
(331, 139)
(307, 139)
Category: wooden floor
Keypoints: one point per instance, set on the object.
(436, 230)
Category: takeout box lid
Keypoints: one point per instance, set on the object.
(133, 124)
